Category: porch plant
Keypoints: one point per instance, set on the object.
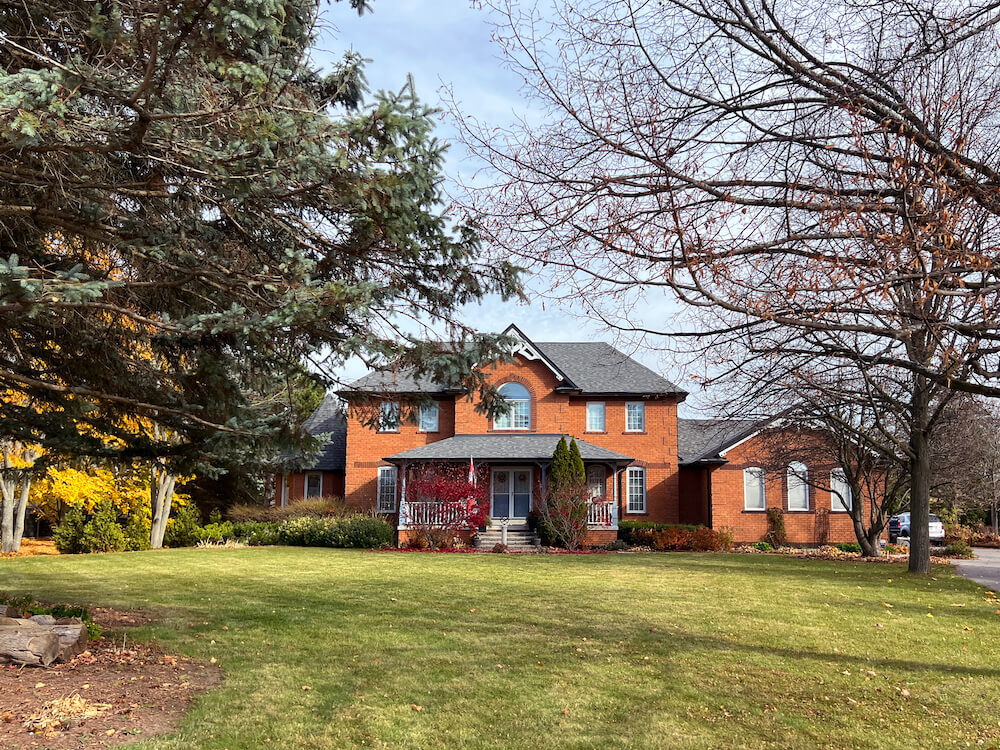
(456, 505)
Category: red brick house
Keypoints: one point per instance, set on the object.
(623, 417)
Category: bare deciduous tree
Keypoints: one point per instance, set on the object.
(823, 184)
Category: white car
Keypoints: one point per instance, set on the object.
(900, 526)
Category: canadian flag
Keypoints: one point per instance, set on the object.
(472, 472)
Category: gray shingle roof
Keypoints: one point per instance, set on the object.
(702, 439)
(593, 367)
(328, 420)
(504, 447)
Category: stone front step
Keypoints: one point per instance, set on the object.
(516, 540)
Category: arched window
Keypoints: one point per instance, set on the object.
(518, 414)
(798, 486)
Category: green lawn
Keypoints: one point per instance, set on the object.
(682, 651)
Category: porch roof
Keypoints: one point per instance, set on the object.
(505, 447)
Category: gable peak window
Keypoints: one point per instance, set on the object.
(635, 416)
(798, 486)
(518, 413)
(388, 417)
(429, 417)
(595, 416)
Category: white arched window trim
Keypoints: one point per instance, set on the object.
(518, 414)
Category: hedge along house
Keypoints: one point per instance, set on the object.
(733, 471)
(622, 415)
(323, 476)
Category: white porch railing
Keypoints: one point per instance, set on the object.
(602, 513)
(429, 513)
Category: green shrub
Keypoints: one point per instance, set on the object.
(849, 547)
(256, 533)
(361, 532)
(68, 535)
(762, 546)
(219, 531)
(184, 528)
(136, 532)
(103, 533)
(776, 535)
(365, 532)
(959, 549)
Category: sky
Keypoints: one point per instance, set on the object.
(446, 44)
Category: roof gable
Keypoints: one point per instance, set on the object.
(584, 367)
(328, 420)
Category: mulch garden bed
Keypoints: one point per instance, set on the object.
(114, 693)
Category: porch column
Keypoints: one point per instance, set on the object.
(403, 510)
(614, 497)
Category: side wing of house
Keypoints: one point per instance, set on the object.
(735, 471)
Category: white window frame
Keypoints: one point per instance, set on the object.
(629, 473)
(797, 478)
(591, 427)
(305, 484)
(759, 476)
(384, 472)
(428, 409)
(388, 410)
(642, 414)
(597, 487)
(518, 416)
(839, 476)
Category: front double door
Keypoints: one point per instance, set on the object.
(511, 493)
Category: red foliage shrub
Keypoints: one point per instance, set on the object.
(675, 538)
(705, 540)
(443, 503)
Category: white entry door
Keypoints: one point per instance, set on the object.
(511, 493)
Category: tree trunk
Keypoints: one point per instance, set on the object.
(161, 489)
(7, 495)
(920, 480)
(21, 510)
(993, 517)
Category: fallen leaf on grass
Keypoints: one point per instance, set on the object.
(306, 687)
(415, 707)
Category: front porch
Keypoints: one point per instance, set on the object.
(516, 468)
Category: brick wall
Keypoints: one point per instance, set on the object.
(366, 447)
(818, 525)
(551, 412)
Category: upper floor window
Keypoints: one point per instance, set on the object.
(635, 416)
(798, 486)
(388, 418)
(840, 491)
(518, 413)
(753, 489)
(595, 416)
(429, 418)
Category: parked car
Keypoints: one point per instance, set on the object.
(900, 526)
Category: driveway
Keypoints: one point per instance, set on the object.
(985, 569)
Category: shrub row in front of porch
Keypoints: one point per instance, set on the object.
(683, 537)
